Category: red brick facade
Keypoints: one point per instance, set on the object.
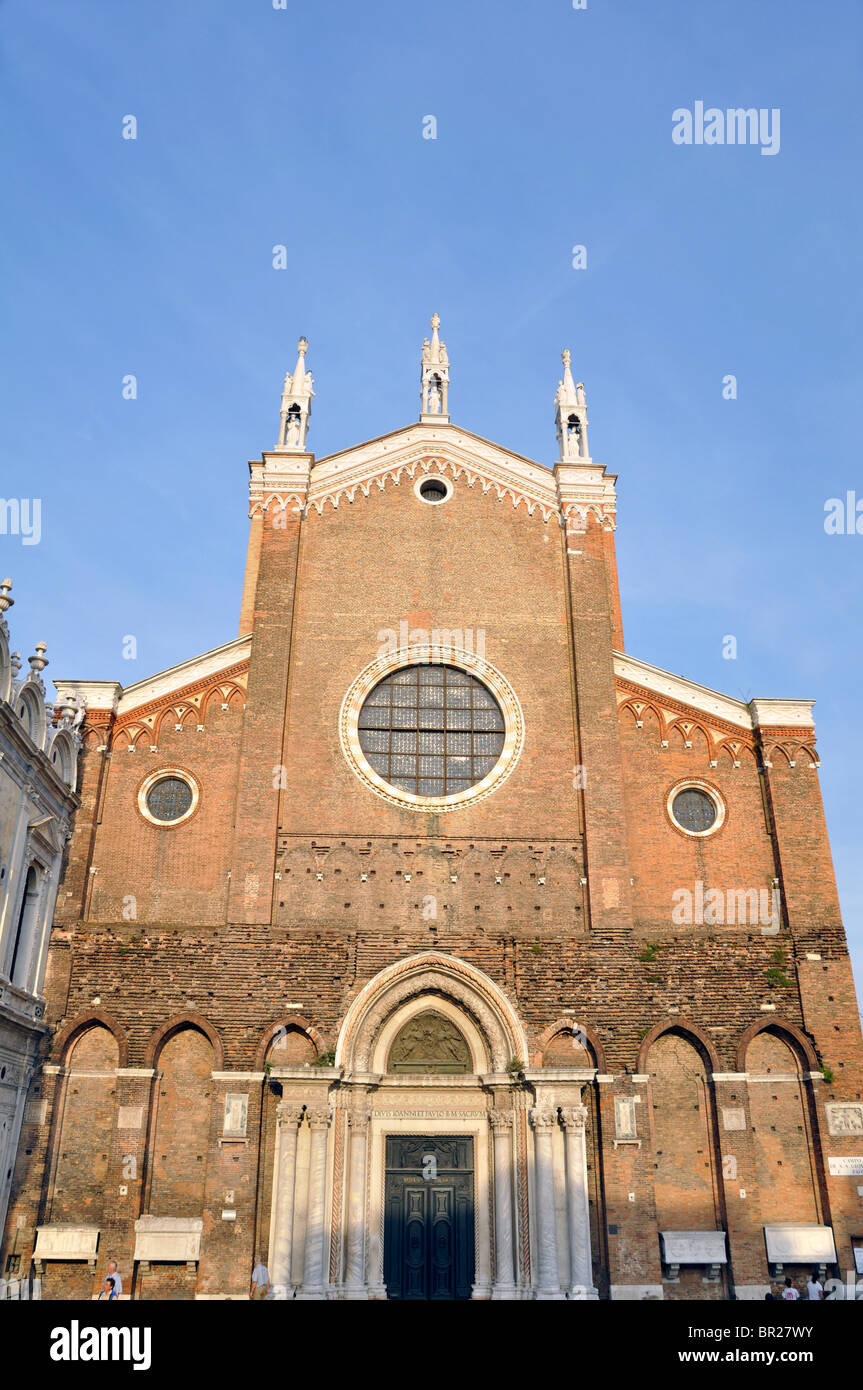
(293, 885)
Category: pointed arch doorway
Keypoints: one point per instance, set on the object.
(436, 1035)
(422, 1163)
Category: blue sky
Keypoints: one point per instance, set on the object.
(303, 127)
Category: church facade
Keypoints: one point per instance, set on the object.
(423, 943)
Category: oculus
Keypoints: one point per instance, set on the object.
(433, 489)
(168, 797)
(431, 728)
(695, 808)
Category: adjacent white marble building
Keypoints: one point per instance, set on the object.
(38, 768)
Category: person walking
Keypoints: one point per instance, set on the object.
(814, 1289)
(113, 1272)
(789, 1293)
(260, 1282)
(108, 1289)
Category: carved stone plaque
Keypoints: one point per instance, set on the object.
(624, 1117)
(693, 1247)
(66, 1242)
(844, 1118)
(172, 1238)
(733, 1118)
(429, 1042)
(800, 1244)
(236, 1113)
(130, 1116)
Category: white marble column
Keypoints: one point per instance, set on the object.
(283, 1237)
(544, 1120)
(574, 1118)
(355, 1258)
(504, 1277)
(313, 1265)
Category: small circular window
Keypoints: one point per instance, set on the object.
(434, 489)
(167, 798)
(695, 809)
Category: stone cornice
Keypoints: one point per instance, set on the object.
(725, 715)
(186, 674)
(102, 697)
(300, 482)
(280, 476)
(628, 690)
(429, 438)
(106, 698)
(183, 681)
(783, 717)
(182, 693)
(433, 448)
(649, 680)
(586, 487)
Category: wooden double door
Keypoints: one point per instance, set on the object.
(429, 1218)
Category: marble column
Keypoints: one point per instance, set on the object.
(574, 1118)
(313, 1265)
(544, 1120)
(289, 1119)
(355, 1257)
(504, 1278)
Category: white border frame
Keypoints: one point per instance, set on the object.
(150, 781)
(715, 796)
(426, 655)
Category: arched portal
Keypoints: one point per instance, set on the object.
(428, 1163)
(435, 1031)
(493, 1028)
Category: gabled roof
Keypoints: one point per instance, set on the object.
(111, 695)
(232, 657)
(444, 447)
(757, 713)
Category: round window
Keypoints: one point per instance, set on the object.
(694, 810)
(434, 489)
(169, 799)
(434, 731)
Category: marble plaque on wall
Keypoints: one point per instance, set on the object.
(624, 1117)
(844, 1118)
(693, 1247)
(733, 1118)
(63, 1241)
(236, 1113)
(846, 1166)
(130, 1117)
(168, 1238)
(798, 1244)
